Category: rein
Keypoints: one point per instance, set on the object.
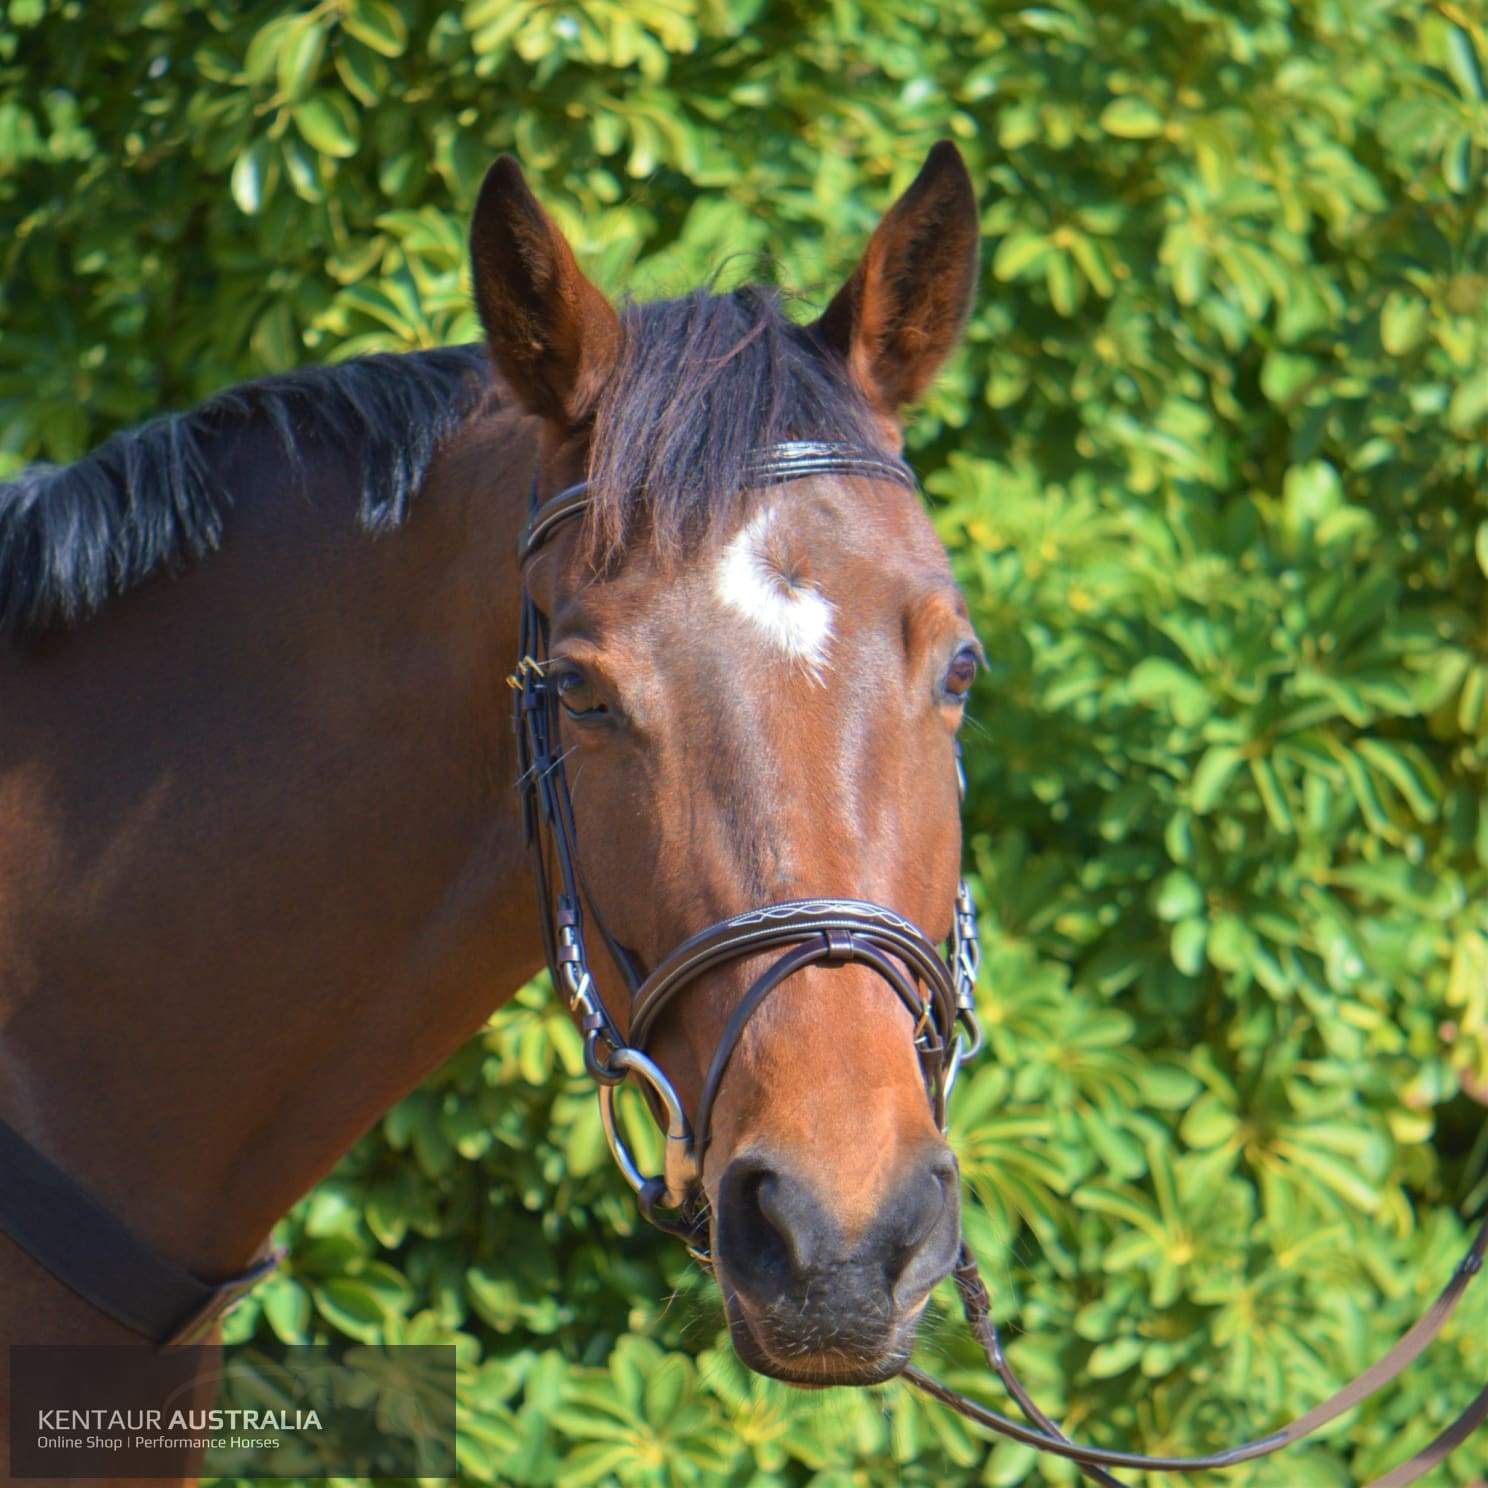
(1045, 1436)
(937, 991)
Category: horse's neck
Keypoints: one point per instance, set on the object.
(260, 859)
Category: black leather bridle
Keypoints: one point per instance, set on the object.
(937, 990)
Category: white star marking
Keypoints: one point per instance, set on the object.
(796, 617)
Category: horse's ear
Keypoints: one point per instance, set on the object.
(552, 334)
(902, 312)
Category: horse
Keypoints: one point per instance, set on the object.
(262, 862)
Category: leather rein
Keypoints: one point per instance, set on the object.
(939, 993)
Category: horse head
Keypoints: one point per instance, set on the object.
(754, 663)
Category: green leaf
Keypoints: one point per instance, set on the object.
(1213, 775)
(1209, 1123)
(377, 24)
(1312, 493)
(370, 300)
(1462, 62)
(1010, 1463)
(286, 1305)
(1285, 374)
(1018, 254)
(1273, 796)
(299, 57)
(666, 1390)
(1167, 1086)
(1131, 118)
(1402, 322)
(261, 56)
(362, 72)
(1341, 1177)
(328, 123)
(252, 177)
(1469, 405)
(1177, 896)
(302, 168)
(1115, 1357)
(275, 340)
(594, 1463)
(1409, 771)
(1231, 943)
(1156, 679)
(1187, 945)
(351, 1307)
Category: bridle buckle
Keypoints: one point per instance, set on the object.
(528, 673)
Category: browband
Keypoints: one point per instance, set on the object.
(793, 460)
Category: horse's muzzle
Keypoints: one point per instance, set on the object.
(810, 1304)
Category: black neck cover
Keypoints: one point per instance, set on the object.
(65, 1230)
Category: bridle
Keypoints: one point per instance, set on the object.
(938, 991)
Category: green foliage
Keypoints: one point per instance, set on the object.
(1212, 472)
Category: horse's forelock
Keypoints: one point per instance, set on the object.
(703, 381)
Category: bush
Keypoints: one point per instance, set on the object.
(1212, 473)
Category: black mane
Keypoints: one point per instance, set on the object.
(702, 381)
(148, 499)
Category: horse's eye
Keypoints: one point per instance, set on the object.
(579, 696)
(961, 674)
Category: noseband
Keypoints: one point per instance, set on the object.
(938, 993)
(936, 990)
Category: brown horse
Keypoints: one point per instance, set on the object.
(262, 865)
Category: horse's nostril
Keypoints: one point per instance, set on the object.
(930, 1221)
(774, 1198)
(770, 1226)
(925, 1200)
